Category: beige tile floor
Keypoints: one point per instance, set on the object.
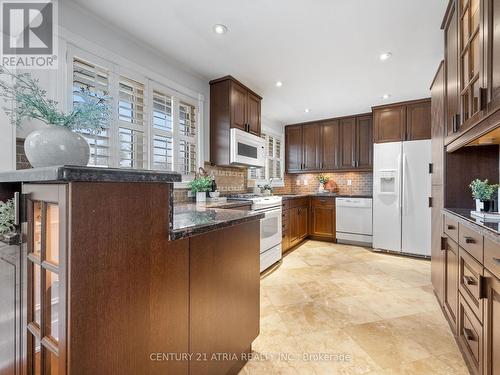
(367, 313)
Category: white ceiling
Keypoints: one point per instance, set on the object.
(325, 51)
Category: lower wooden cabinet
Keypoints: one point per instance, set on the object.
(298, 225)
(470, 336)
(322, 213)
(491, 325)
(451, 281)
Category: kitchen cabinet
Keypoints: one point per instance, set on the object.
(347, 143)
(451, 282)
(293, 145)
(492, 54)
(450, 26)
(329, 145)
(298, 220)
(491, 325)
(438, 246)
(330, 138)
(407, 121)
(232, 106)
(311, 137)
(322, 213)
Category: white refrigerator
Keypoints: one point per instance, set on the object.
(401, 192)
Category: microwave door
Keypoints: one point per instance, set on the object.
(247, 149)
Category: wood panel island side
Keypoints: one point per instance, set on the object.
(102, 277)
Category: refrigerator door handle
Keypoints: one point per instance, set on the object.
(400, 179)
(403, 183)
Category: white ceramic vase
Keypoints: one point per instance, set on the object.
(201, 197)
(321, 188)
(56, 145)
(479, 205)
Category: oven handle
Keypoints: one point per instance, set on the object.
(269, 213)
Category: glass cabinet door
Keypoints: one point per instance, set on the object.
(45, 291)
(470, 57)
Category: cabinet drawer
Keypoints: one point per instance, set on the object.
(297, 202)
(492, 257)
(322, 201)
(451, 228)
(471, 241)
(470, 278)
(470, 336)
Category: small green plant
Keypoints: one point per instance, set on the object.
(482, 190)
(7, 216)
(322, 178)
(25, 99)
(200, 184)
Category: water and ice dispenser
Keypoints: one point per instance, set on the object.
(388, 183)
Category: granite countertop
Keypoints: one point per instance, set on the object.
(222, 204)
(190, 219)
(68, 173)
(336, 195)
(491, 228)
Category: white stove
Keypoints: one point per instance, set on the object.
(270, 226)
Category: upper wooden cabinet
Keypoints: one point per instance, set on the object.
(328, 145)
(406, 121)
(232, 105)
(472, 65)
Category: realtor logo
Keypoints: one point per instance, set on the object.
(29, 40)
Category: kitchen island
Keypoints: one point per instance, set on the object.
(109, 279)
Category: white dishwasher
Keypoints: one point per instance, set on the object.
(354, 220)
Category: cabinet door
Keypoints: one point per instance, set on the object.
(364, 142)
(418, 121)
(493, 51)
(437, 243)
(492, 326)
(330, 145)
(303, 226)
(238, 106)
(253, 116)
(293, 157)
(311, 141)
(347, 143)
(323, 221)
(46, 278)
(437, 127)
(451, 281)
(293, 226)
(451, 63)
(390, 124)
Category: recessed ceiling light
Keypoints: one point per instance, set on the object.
(279, 84)
(220, 29)
(385, 56)
(386, 96)
(307, 110)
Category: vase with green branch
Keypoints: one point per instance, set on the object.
(56, 141)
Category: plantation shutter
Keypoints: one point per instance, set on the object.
(163, 139)
(187, 130)
(95, 79)
(133, 143)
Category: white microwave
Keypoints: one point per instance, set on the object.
(247, 149)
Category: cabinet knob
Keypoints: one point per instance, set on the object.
(496, 260)
(450, 227)
(443, 243)
(468, 280)
(469, 239)
(468, 334)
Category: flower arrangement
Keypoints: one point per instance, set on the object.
(322, 178)
(483, 190)
(91, 112)
(7, 216)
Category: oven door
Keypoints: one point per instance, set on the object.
(270, 229)
(247, 149)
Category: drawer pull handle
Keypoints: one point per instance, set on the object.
(468, 280)
(468, 334)
(469, 239)
(450, 227)
(496, 260)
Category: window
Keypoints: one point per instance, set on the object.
(152, 127)
(95, 79)
(273, 169)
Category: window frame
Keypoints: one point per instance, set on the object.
(276, 182)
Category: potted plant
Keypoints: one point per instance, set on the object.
(200, 186)
(55, 143)
(483, 193)
(322, 181)
(6, 217)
